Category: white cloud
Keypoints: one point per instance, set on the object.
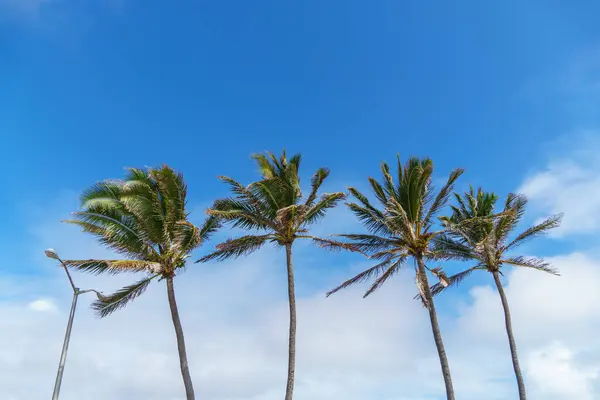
(569, 183)
(42, 305)
(556, 375)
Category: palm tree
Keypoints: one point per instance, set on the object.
(402, 228)
(143, 218)
(476, 234)
(275, 207)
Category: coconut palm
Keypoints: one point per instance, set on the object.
(143, 218)
(402, 227)
(276, 208)
(476, 234)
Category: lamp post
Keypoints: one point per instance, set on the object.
(50, 253)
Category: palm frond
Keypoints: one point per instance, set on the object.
(265, 167)
(377, 189)
(315, 182)
(234, 248)
(363, 276)
(173, 192)
(186, 236)
(239, 213)
(210, 226)
(103, 193)
(391, 271)
(106, 305)
(333, 245)
(536, 230)
(144, 203)
(453, 280)
(531, 262)
(317, 211)
(116, 239)
(97, 267)
(442, 198)
(447, 248)
(245, 195)
(371, 243)
(514, 209)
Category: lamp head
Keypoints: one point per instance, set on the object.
(51, 253)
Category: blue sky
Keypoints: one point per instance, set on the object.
(507, 90)
(90, 88)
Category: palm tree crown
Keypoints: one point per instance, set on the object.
(404, 224)
(274, 206)
(143, 218)
(475, 233)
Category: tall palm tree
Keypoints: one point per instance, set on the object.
(476, 234)
(275, 207)
(143, 218)
(403, 228)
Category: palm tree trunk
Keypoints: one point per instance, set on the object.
(185, 371)
(511, 338)
(289, 391)
(437, 335)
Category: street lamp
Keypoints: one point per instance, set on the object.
(51, 253)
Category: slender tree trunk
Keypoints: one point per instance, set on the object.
(185, 371)
(289, 391)
(437, 335)
(511, 338)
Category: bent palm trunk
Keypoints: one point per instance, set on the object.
(437, 335)
(289, 391)
(511, 338)
(185, 371)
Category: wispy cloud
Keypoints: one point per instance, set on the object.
(569, 183)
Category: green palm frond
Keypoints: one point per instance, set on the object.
(234, 248)
(122, 241)
(415, 188)
(281, 175)
(210, 226)
(442, 198)
(245, 195)
(447, 248)
(531, 262)
(536, 230)
(239, 214)
(315, 182)
(173, 192)
(97, 267)
(102, 194)
(371, 243)
(106, 305)
(317, 211)
(144, 203)
(187, 236)
(373, 219)
(514, 209)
